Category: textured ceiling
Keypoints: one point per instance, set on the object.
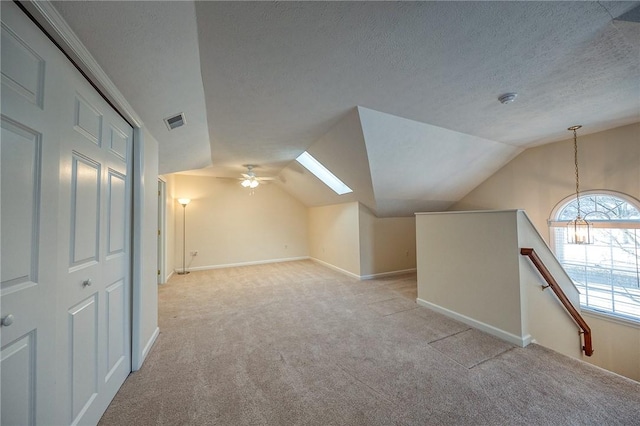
(150, 51)
(277, 76)
(261, 82)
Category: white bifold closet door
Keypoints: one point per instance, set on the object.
(66, 252)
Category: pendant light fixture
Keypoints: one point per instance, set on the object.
(578, 230)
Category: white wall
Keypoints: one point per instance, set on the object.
(229, 226)
(386, 244)
(334, 236)
(145, 293)
(540, 177)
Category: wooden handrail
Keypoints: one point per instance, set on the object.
(586, 330)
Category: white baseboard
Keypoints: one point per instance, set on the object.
(387, 274)
(363, 277)
(146, 350)
(521, 341)
(292, 259)
(335, 268)
(233, 265)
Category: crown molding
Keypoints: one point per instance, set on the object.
(57, 28)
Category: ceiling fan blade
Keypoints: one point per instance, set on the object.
(267, 178)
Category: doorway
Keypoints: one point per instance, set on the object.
(162, 239)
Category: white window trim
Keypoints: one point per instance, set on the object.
(566, 200)
(552, 223)
(599, 224)
(611, 317)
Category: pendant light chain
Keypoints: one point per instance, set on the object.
(575, 156)
(579, 228)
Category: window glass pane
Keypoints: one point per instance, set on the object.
(607, 272)
(600, 207)
(322, 173)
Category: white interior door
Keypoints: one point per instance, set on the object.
(66, 215)
(29, 214)
(94, 246)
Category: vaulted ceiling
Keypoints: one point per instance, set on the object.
(406, 90)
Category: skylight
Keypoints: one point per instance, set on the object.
(322, 173)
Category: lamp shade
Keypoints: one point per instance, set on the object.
(184, 201)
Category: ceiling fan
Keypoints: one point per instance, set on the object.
(250, 180)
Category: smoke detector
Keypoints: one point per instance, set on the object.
(175, 121)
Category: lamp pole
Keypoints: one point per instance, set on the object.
(184, 202)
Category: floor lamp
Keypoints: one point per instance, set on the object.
(184, 202)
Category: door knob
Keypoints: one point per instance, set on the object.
(7, 320)
(86, 283)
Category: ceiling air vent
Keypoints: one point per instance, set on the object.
(175, 121)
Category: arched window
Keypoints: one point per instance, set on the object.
(607, 272)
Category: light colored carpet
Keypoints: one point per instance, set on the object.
(298, 344)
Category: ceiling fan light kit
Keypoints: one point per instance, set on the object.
(250, 180)
(508, 98)
(250, 183)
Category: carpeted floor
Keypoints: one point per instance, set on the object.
(298, 344)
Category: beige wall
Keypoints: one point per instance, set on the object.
(350, 238)
(459, 272)
(334, 236)
(541, 177)
(470, 268)
(544, 318)
(616, 345)
(228, 226)
(386, 244)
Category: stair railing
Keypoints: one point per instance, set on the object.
(585, 330)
